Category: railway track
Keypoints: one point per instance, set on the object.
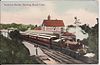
(61, 58)
(58, 56)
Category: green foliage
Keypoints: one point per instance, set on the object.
(15, 35)
(86, 28)
(92, 40)
(20, 27)
(14, 52)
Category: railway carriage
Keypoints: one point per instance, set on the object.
(42, 39)
(65, 45)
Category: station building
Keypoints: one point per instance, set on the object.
(52, 25)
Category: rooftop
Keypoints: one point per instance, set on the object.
(53, 23)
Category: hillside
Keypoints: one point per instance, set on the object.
(14, 52)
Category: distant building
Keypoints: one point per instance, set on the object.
(52, 25)
(37, 28)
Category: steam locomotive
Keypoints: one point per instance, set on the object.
(65, 44)
(54, 42)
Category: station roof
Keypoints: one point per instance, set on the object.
(53, 23)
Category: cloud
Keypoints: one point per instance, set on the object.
(85, 17)
(36, 15)
(30, 15)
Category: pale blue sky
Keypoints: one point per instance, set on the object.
(88, 5)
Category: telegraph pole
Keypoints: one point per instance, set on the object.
(36, 49)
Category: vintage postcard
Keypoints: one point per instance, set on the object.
(49, 32)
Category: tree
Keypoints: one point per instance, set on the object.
(15, 35)
(86, 28)
(92, 40)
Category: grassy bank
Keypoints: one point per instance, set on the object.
(13, 52)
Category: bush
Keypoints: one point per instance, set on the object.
(14, 52)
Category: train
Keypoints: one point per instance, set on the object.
(41, 39)
(54, 42)
(65, 44)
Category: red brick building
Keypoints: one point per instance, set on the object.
(52, 25)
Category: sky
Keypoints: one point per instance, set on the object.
(85, 10)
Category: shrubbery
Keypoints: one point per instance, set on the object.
(14, 52)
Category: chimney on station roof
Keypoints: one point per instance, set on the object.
(48, 17)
